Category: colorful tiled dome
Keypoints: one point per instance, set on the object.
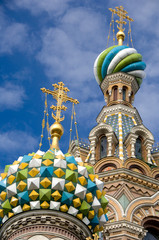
(119, 59)
(54, 181)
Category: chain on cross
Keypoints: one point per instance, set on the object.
(60, 94)
(122, 15)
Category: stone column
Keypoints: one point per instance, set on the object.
(109, 141)
(92, 148)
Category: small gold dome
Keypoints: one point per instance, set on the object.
(56, 131)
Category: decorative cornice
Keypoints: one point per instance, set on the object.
(16, 225)
(116, 77)
(126, 174)
(118, 108)
(126, 227)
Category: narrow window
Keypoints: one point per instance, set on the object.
(115, 93)
(138, 149)
(124, 93)
(103, 147)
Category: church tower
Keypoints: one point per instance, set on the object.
(121, 147)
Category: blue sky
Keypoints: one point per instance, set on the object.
(43, 42)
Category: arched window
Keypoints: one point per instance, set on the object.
(138, 148)
(103, 147)
(124, 93)
(115, 93)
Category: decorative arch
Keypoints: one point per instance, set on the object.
(106, 162)
(155, 173)
(101, 128)
(138, 164)
(116, 206)
(143, 207)
(142, 131)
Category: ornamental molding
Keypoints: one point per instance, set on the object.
(119, 77)
(132, 177)
(126, 227)
(141, 130)
(98, 130)
(49, 221)
(141, 202)
(115, 109)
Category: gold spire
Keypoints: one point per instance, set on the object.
(122, 15)
(60, 94)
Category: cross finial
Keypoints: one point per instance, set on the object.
(95, 236)
(60, 94)
(122, 15)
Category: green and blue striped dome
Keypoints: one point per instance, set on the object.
(52, 180)
(119, 59)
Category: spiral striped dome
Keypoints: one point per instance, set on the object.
(52, 180)
(119, 59)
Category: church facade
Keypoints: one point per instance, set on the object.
(122, 149)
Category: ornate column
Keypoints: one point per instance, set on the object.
(92, 148)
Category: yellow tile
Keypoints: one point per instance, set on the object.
(16, 162)
(100, 212)
(56, 195)
(60, 156)
(82, 180)
(92, 177)
(1, 213)
(64, 208)
(45, 205)
(89, 197)
(10, 179)
(37, 156)
(99, 194)
(91, 214)
(34, 195)
(3, 175)
(10, 214)
(23, 165)
(96, 229)
(21, 186)
(33, 172)
(80, 216)
(14, 201)
(26, 207)
(3, 195)
(77, 202)
(69, 186)
(72, 166)
(45, 182)
(59, 172)
(47, 162)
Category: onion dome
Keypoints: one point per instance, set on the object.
(119, 59)
(52, 180)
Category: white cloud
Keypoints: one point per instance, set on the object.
(16, 140)
(14, 35)
(52, 7)
(11, 96)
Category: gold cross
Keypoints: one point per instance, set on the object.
(95, 236)
(122, 15)
(60, 94)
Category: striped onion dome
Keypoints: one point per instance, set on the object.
(52, 180)
(119, 59)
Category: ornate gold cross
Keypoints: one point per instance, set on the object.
(60, 94)
(122, 15)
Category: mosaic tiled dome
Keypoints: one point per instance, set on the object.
(119, 59)
(54, 181)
